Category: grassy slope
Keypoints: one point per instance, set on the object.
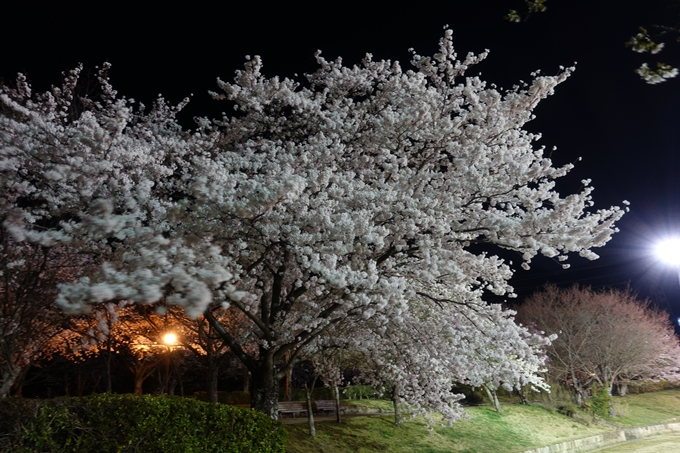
(520, 428)
(648, 408)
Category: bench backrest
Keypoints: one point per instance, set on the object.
(288, 405)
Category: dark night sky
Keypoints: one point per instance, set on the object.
(627, 132)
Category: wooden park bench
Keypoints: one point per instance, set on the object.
(291, 407)
(324, 406)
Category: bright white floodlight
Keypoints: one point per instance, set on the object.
(668, 251)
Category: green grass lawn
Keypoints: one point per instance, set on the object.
(648, 409)
(519, 428)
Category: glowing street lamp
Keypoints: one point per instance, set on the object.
(170, 339)
(668, 251)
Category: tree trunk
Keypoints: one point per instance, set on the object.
(18, 386)
(80, 383)
(8, 379)
(166, 378)
(246, 381)
(398, 419)
(139, 381)
(579, 391)
(67, 381)
(213, 375)
(493, 398)
(610, 387)
(310, 413)
(109, 380)
(288, 395)
(623, 388)
(578, 396)
(264, 390)
(142, 370)
(177, 380)
(336, 394)
(522, 396)
(96, 384)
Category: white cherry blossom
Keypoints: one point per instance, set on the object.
(344, 197)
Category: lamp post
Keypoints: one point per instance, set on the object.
(169, 339)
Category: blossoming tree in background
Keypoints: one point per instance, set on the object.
(354, 194)
(604, 337)
(114, 333)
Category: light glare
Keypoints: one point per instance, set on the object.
(668, 251)
(170, 338)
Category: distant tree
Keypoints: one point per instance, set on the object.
(201, 339)
(602, 336)
(357, 193)
(111, 331)
(29, 316)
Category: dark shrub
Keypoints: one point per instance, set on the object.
(600, 402)
(473, 396)
(233, 398)
(127, 423)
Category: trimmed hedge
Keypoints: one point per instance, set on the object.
(109, 423)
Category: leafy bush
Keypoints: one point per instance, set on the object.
(600, 402)
(128, 423)
(359, 392)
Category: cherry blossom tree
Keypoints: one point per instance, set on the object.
(602, 336)
(476, 344)
(352, 194)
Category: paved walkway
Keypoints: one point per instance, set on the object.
(326, 418)
(663, 443)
